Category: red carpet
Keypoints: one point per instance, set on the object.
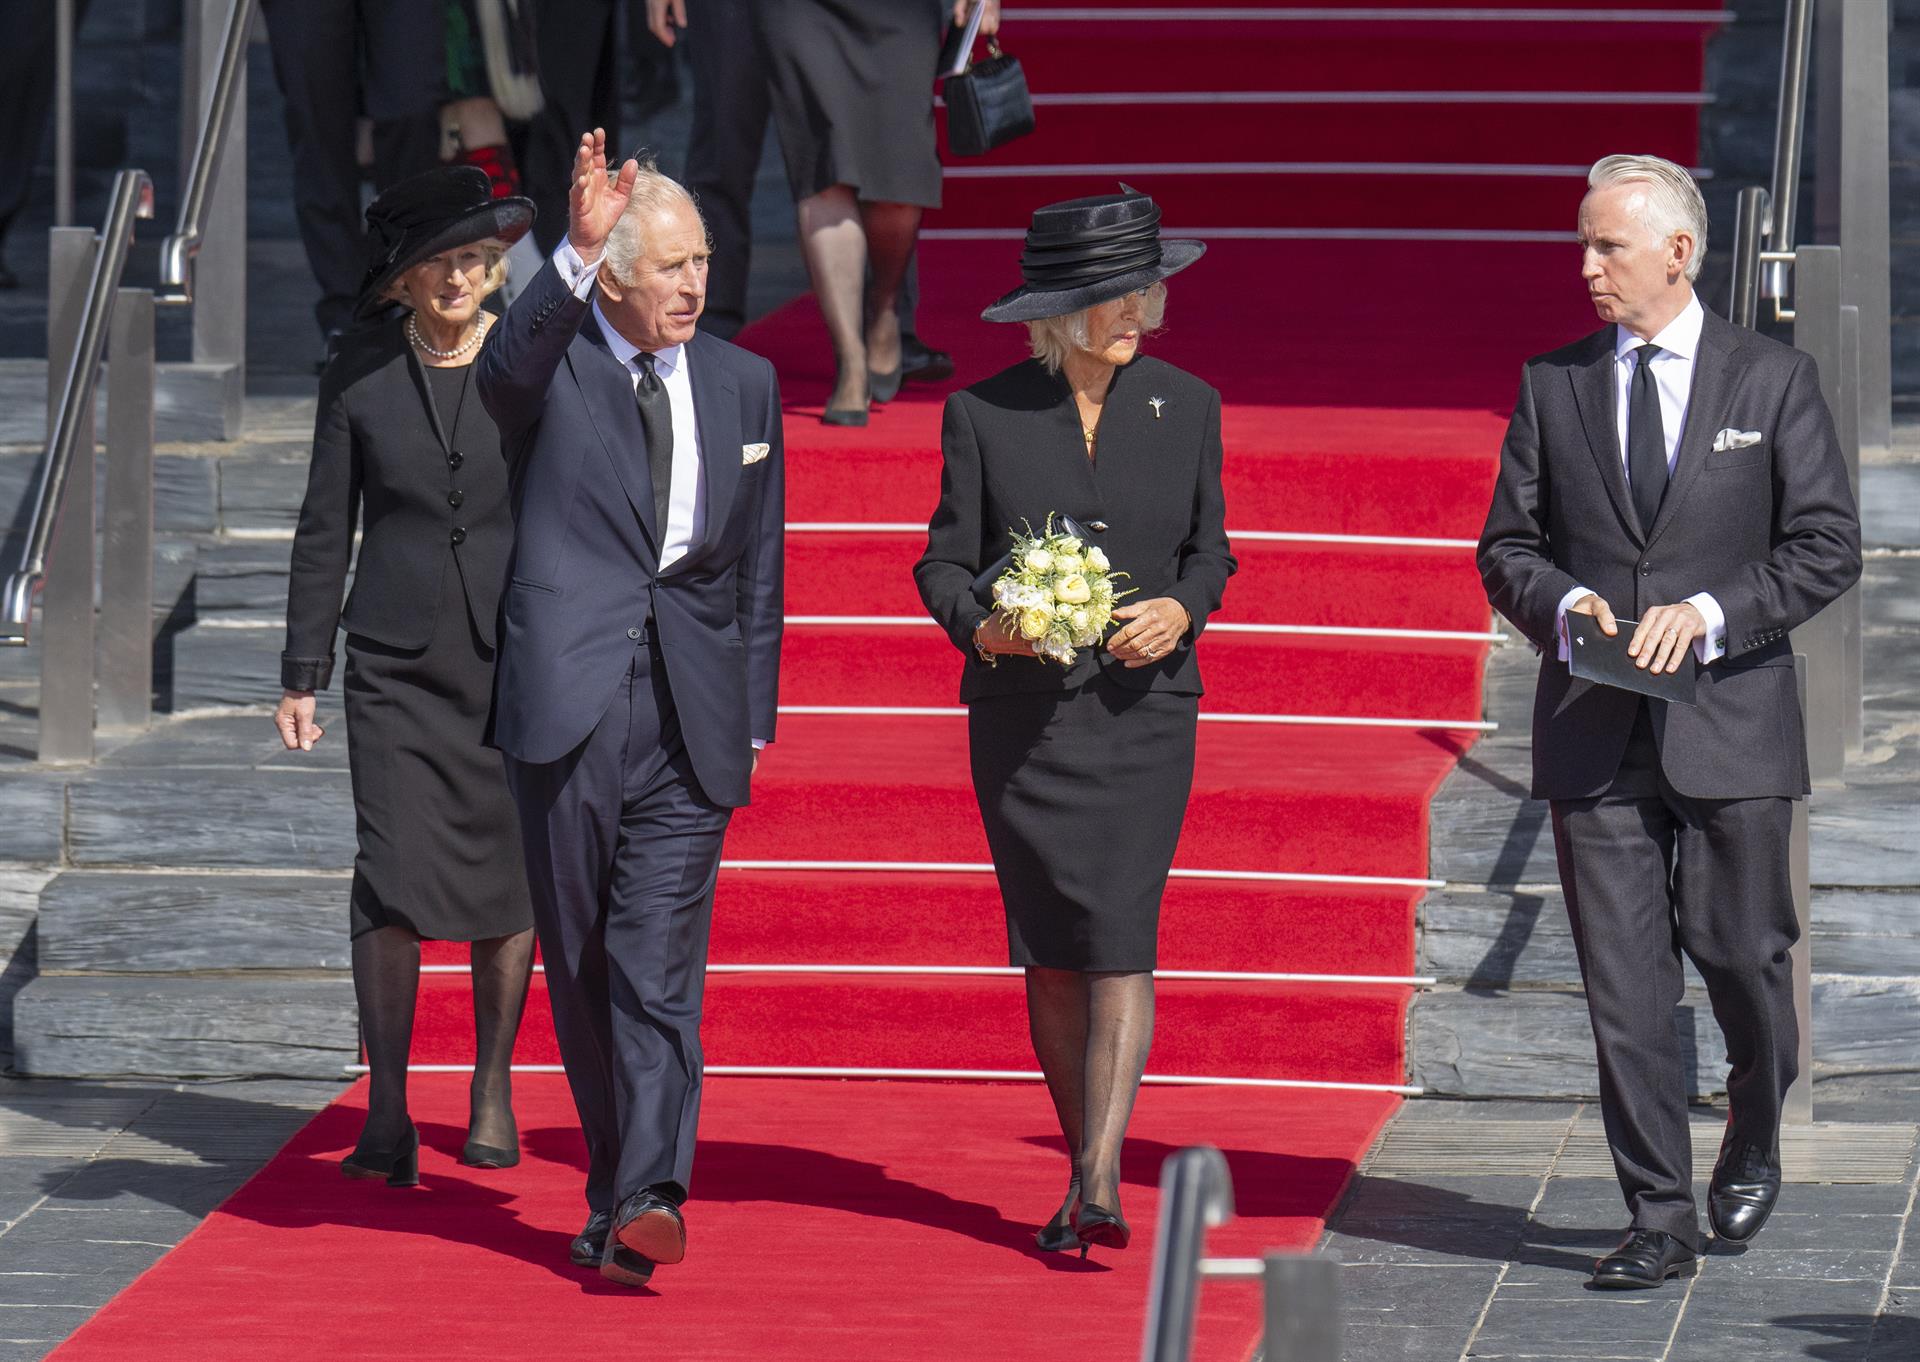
(1381, 261)
(845, 1221)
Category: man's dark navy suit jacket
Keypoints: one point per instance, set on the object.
(584, 579)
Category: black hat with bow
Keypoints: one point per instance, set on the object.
(1089, 251)
(434, 211)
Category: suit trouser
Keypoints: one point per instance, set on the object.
(623, 850)
(1649, 873)
(316, 48)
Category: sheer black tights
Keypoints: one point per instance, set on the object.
(386, 983)
(1091, 1032)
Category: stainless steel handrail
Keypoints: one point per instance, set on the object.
(1196, 1193)
(132, 198)
(1789, 137)
(178, 251)
(1749, 221)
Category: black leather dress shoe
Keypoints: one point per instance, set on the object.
(1645, 1258)
(622, 1265)
(920, 363)
(652, 1227)
(1746, 1183)
(590, 1245)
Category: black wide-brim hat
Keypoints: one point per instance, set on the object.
(434, 211)
(1089, 251)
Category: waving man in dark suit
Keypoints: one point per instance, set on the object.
(639, 660)
(1678, 471)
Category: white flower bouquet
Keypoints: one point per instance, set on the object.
(1058, 592)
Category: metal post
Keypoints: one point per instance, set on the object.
(1749, 220)
(63, 113)
(126, 558)
(220, 271)
(1788, 135)
(1196, 1191)
(1850, 417)
(1798, 1107)
(66, 603)
(1866, 212)
(1303, 1309)
(1816, 330)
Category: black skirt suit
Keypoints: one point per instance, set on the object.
(411, 452)
(1082, 772)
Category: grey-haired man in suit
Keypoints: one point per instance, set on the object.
(1677, 476)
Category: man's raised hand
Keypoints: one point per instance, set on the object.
(595, 202)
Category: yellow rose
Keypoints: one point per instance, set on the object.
(1073, 590)
(1080, 619)
(1034, 622)
(1098, 560)
(1067, 562)
(1071, 545)
(1038, 560)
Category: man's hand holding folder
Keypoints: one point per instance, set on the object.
(1657, 660)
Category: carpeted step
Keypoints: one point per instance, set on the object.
(1266, 798)
(830, 1220)
(1364, 585)
(1244, 673)
(946, 919)
(1448, 131)
(1317, 327)
(1322, 1033)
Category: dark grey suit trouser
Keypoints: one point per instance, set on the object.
(623, 850)
(1649, 873)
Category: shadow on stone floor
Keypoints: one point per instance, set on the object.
(1857, 1338)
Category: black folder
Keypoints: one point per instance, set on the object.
(1595, 657)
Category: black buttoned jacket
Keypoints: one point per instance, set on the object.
(1013, 452)
(1769, 530)
(433, 500)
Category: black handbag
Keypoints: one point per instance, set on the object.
(987, 104)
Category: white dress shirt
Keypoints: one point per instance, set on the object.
(1672, 372)
(687, 493)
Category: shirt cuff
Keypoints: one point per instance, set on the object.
(1565, 653)
(575, 273)
(759, 743)
(1711, 646)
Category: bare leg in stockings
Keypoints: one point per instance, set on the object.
(502, 966)
(1057, 1021)
(843, 239)
(386, 978)
(1119, 1034)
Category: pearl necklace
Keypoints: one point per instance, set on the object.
(413, 334)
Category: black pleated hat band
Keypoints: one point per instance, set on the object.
(1089, 251)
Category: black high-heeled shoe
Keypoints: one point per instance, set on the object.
(1098, 1225)
(400, 1165)
(1058, 1237)
(847, 416)
(886, 387)
(476, 1155)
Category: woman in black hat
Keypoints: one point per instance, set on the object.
(1083, 772)
(403, 445)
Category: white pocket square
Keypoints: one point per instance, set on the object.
(755, 453)
(1736, 439)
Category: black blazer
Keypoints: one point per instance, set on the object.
(1770, 531)
(585, 577)
(1013, 451)
(434, 501)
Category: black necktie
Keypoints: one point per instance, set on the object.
(1646, 440)
(656, 423)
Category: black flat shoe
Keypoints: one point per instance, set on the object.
(476, 1155)
(400, 1165)
(1644, 1259)
(1098, 1225)
(652, 1227)
(1746, 1183)
(590, 1245)
(885, 387)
